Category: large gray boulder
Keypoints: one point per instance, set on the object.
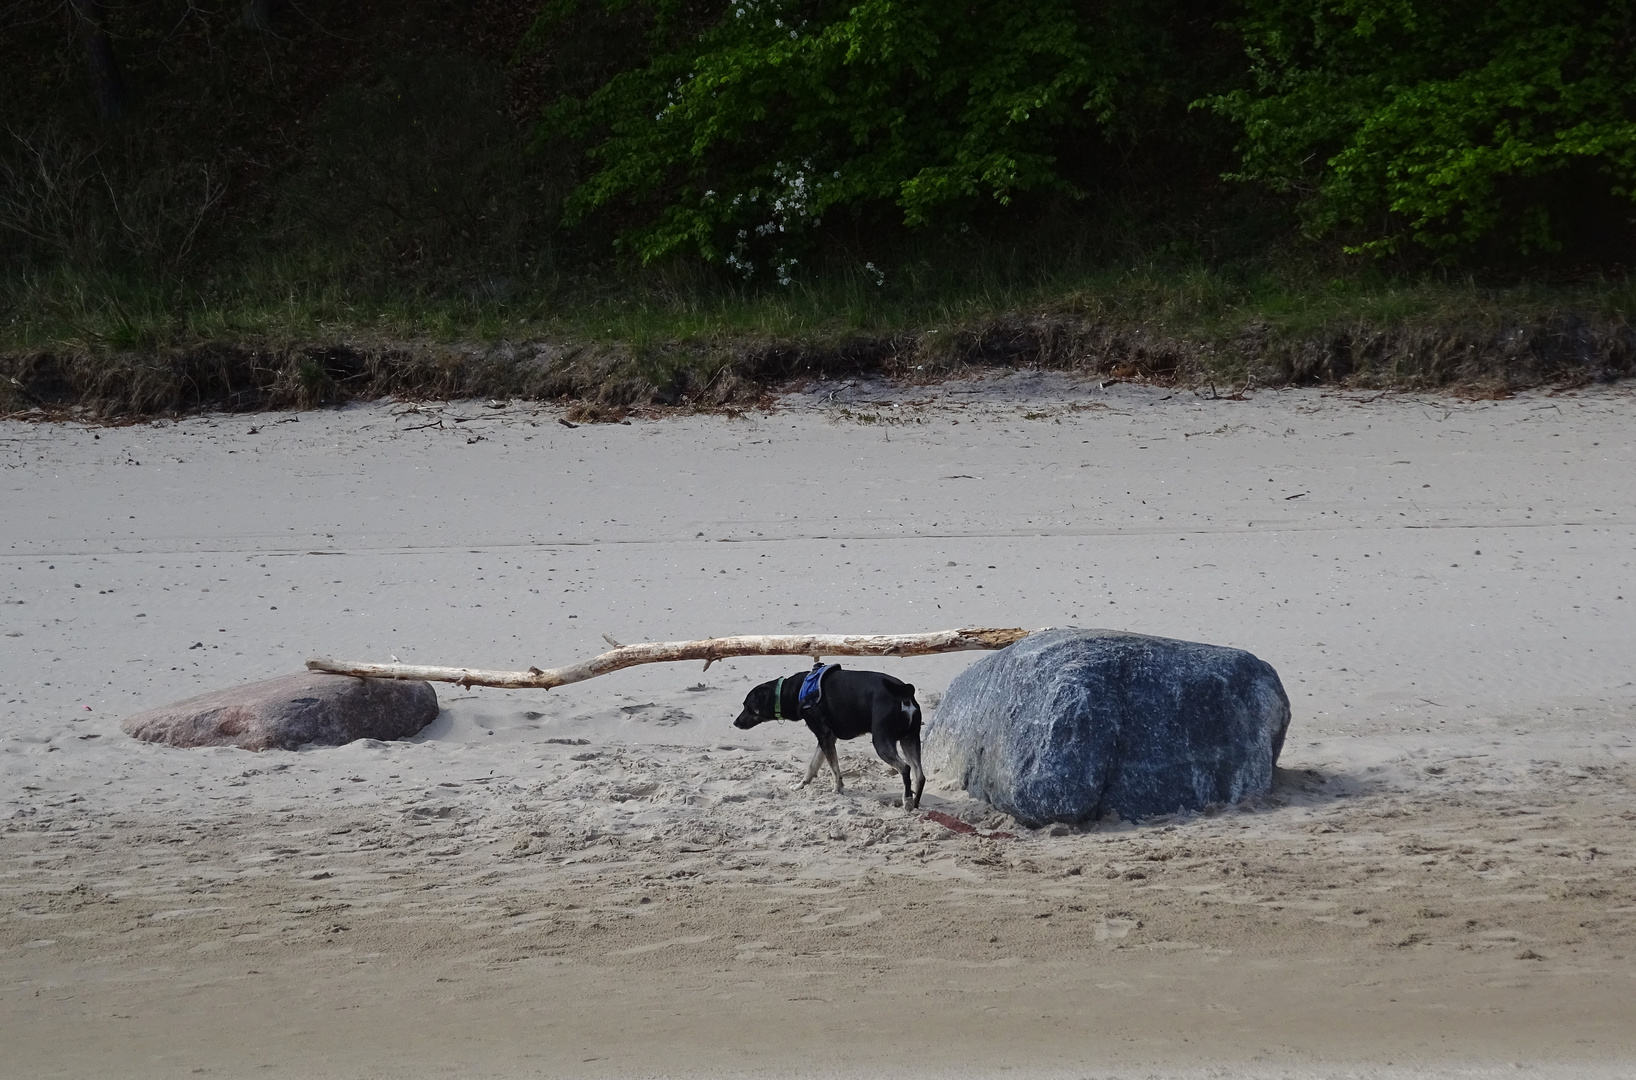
(1067, 725)
(284, 713)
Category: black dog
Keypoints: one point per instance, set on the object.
(848, 704)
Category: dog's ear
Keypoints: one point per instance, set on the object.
(909, 688)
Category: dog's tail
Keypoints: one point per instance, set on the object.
(910, 707)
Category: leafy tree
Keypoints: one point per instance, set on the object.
(745, 123)
(1442, 123)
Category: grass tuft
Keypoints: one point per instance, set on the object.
(302, 331)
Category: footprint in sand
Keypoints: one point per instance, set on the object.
(1114, 929)
(750, 950)
(860, 920)
(655, 946)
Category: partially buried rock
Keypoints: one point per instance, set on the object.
(284, 713)
(1067, 725)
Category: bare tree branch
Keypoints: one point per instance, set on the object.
(709, 650)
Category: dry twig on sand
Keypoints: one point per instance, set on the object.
(709, 650)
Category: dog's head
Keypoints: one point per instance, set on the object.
(758, 706)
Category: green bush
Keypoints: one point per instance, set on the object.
(1444, 123)
(742, 127)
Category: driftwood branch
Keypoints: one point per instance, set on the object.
(709, 650)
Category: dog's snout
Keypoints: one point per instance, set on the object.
(746, 719)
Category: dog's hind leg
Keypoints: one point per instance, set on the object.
(813, 766)
(889, 754)
(910, 749)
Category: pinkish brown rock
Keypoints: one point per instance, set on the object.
(284, 713)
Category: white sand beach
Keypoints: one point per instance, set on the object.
(608, 880)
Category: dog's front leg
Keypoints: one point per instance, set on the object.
(829, 752)
(812, 767)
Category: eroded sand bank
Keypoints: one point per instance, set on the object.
(609, 880)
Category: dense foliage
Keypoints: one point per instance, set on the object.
(746, 126)
(474, 145)
(1444, 122)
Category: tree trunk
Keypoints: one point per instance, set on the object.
(107, 84)
(709, 650)
(258, 15)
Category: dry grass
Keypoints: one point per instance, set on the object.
(691, 341)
